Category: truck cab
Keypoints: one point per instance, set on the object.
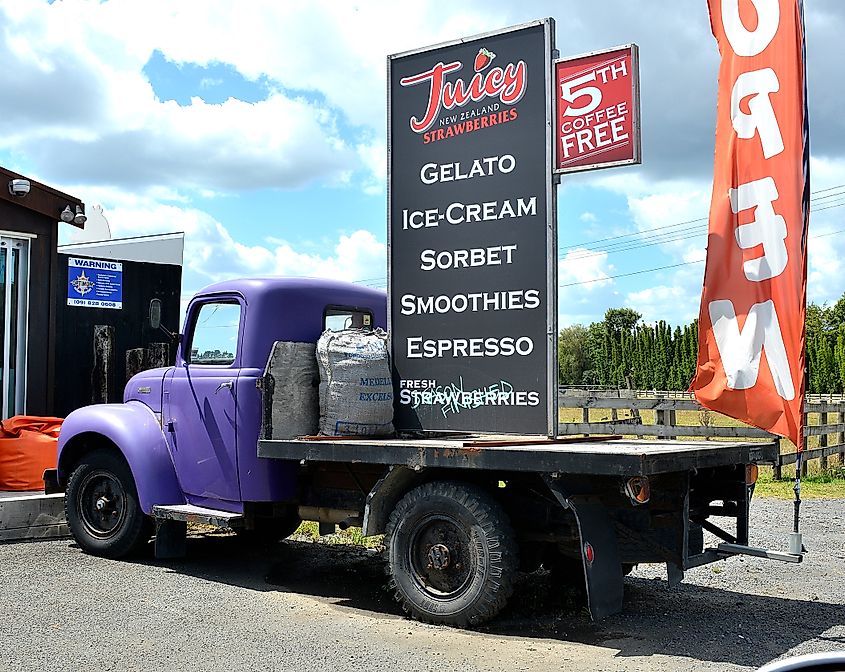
(187, 434)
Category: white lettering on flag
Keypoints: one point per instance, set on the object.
(767, 229)
(740, 350)
(758, 84)
(750, 42)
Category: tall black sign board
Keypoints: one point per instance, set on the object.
(472, 234)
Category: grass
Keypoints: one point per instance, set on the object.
(310, 531)
(829, 484)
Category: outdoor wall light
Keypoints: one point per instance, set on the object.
(67, 214)
(19, 188)
(80, 217)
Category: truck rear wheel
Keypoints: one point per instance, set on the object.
(451, 554)
(101, 506)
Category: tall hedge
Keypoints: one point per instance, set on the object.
(622, 351)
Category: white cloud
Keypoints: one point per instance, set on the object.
(82, 107)
(675, 303)
(374, 157)
(73, 71)
(588, 217)
(585, 287)
(827, 172)
(584, 268)
(826, 247)
(212, 253)
(357, 256)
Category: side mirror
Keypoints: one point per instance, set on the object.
(155, 313)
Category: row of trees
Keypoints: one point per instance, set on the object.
(621, 351)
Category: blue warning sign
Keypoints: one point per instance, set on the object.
(94, 283)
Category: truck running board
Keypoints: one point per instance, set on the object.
(197, 514)
(739, 549)
(172, 526)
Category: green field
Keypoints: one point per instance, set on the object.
(310, 531)
(709, 418)
(827, 485)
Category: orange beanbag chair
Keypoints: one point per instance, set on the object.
(27, 447)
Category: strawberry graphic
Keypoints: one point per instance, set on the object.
(483, 58)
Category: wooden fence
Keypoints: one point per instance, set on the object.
(824, 416)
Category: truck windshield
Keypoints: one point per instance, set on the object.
(215, 336)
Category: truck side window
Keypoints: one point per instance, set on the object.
(338, 318)
(215, 336)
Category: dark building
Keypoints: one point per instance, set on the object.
(75, 324)
(30, 215)
(101, 346)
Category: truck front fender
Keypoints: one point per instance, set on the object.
(134, 431)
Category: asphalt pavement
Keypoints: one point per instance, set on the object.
(303, 606)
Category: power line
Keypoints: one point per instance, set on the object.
(625, 246)
(689, 221)
(625, 275)
(635, 233)
(634, 238)
(820, 191)
(821, 198)
(662, 268)
(830, 207)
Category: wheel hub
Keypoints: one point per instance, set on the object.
(101, 504)
(439, 557)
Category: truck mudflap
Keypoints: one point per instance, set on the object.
(599, 550)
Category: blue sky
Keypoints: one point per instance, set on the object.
(258, 129)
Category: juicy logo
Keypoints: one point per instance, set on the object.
(508, 84)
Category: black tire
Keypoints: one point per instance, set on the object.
(101, 506)
(270, 530)
(467, 576)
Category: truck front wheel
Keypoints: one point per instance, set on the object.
(101, 505)
(451, 554)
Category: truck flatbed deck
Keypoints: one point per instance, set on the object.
(602, 457)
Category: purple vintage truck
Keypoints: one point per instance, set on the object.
(460, 514)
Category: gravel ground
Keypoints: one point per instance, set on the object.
(307, 606)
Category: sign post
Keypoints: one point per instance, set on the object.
(472, 234)
(598, 110)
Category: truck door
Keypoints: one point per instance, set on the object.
(200, 401)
